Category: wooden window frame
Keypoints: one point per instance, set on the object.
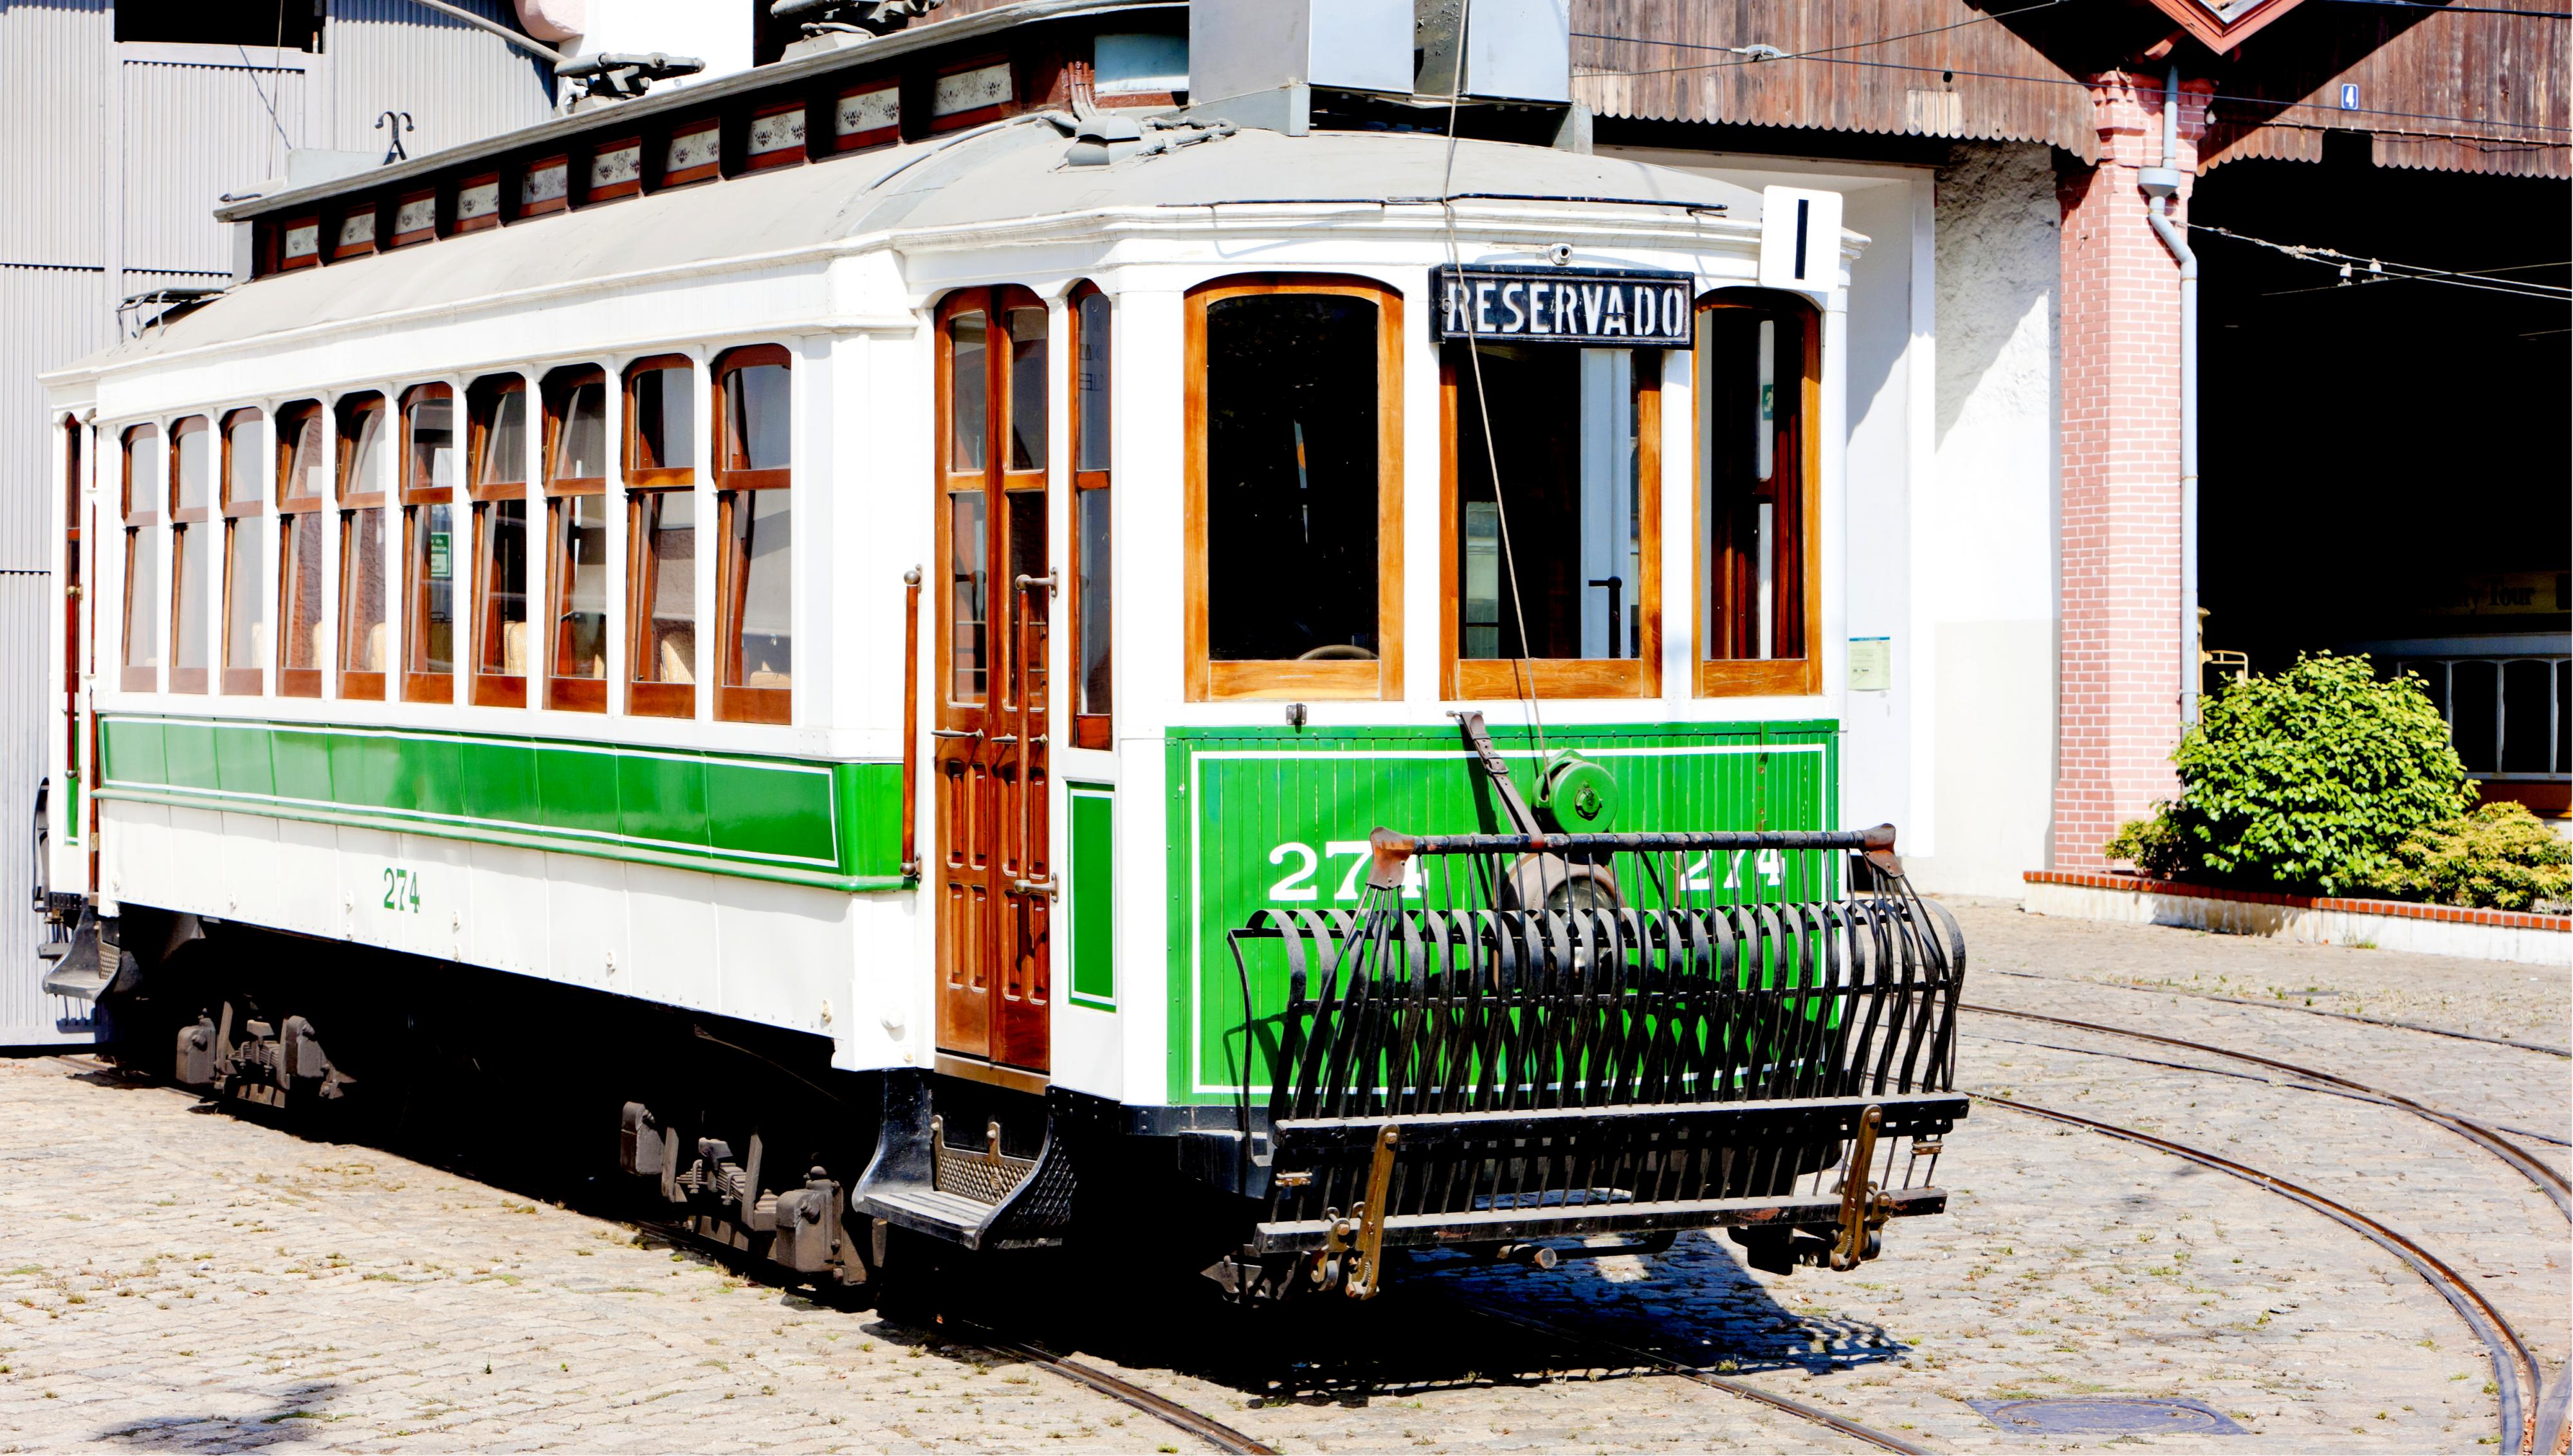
(238, 516)
(1381, 680)
(342, 247)
(973, 116)
(344, 413)
(187, 679)
(790, 155)
(699, 172)
(1775, 676)
(571, 694)
(741, 704)
(147, 517)
(1000, 647)
(482, 220)
(420, 685)
(289, 421)
(522, 208)
(288, 263)
(592, 190)
(481, 403)
(872, 136)
(405, 237)
(1494, 678)
(643, 698)
(1089, 730)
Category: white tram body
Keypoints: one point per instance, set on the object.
(436, 595)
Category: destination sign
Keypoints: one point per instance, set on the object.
(1595, 307)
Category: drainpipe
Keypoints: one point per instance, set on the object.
(2161, 184)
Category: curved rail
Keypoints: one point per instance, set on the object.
(2302, 1011)
(2482, 1134)
(1748, 1391)
(1205, 1428)
(2515, 1371)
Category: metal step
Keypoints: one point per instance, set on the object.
(1029, 1205)
(951, 1217)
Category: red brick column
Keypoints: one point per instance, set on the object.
(2120, 670)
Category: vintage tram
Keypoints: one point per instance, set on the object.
(921, 644)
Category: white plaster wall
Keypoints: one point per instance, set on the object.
(1987, 526)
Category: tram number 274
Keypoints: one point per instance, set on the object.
(1299, 885)
(402, 890)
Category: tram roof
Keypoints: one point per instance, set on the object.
(1008, 174)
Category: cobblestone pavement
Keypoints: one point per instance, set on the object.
(183, 1280)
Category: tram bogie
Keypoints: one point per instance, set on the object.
(936, 696)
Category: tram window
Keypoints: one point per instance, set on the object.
(1567, 548)
(498, 420)
(145, 489)
(363, 632)
(246, 582)
(1294, 550)
(301, 461)
(576, 532)
(1094, 581)
(754, 596)
(661, 536)
(428, 543)
(192, 493)
(1758, 383)
(994, 389)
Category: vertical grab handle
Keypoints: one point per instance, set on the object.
(1023, 665)
(911, 724)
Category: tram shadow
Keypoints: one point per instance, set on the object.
(1445, 1322)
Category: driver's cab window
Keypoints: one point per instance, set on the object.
(1552, 526)
(1294, 506)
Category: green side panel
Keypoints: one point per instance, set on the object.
(1260, 819)
(870, 796)
(802, 821)
(499, 781)
(1094, 895)
(189, 751)
(576, 790)
(661, 799)
(769, 811)
(302, 763)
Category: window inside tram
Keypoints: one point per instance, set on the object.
(576, 527)
(192, 495)
(246, 471)
(756, 582)
(661, 534)
(1553, 586)
(428, 534)
(499, 491)
(302, 466)
(146, 483)
(365, 647)
(1758, 372)
(1300, 572)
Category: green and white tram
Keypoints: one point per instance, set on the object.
(928, 661)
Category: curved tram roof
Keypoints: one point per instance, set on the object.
(959, 192)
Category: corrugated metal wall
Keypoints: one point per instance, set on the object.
(111, 161)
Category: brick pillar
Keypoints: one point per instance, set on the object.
(2120, 672)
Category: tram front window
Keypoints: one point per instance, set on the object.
(1291, 478)
(1757, 372)
(1559, 547)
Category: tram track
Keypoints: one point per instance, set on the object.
(2518, 1379)
(2491, 1138)
(1619, 1354)
(2256, 1003)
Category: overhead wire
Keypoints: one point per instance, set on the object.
(1522, 666)
(2378, 267)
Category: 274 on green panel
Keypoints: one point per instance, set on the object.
(1263, 820)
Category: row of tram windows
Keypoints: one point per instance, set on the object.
(438, 506)
(1550, 507)
(1549, 497)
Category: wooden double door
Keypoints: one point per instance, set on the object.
(994, 875)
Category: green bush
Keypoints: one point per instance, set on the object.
(2309, 779)
(2500, 857)
(2153, 846)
